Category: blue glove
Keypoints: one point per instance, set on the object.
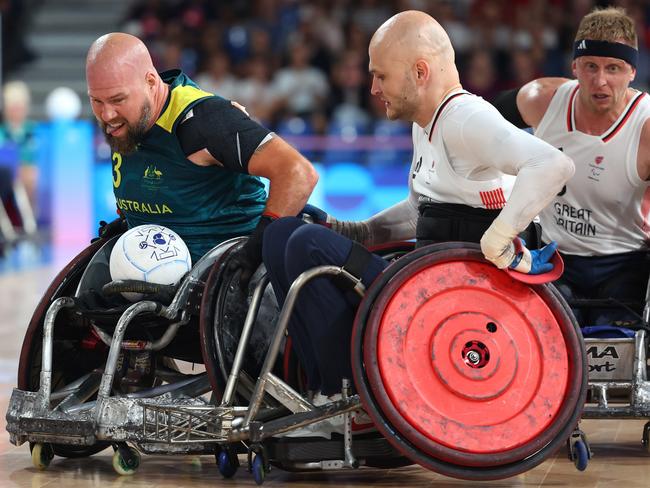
(317, 215)
(533, 262)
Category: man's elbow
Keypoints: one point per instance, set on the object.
(564, 167)
(309, 175)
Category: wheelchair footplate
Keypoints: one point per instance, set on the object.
(155, 425)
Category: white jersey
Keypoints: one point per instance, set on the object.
(440, 175)
(469, 154)
(604, 208)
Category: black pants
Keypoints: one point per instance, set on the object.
(445, 222)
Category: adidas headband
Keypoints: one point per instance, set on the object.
(588, 47)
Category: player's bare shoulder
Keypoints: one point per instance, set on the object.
(534, 98)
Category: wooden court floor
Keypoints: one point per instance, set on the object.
(619, 459)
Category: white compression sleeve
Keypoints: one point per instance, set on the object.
(396, 223)
(486, 138)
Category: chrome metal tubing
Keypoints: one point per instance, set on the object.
(120, 328)
(48, 337)
(281, 327)
(247, 329)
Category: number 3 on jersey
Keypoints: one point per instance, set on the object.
(117, 176)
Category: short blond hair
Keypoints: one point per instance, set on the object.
(15, 93)
(608, 24)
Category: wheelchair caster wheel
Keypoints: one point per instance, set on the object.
(227, 462)
(42, 455)
(126, 461)
(580, 455)
(646, 436)
(258, 469)
(579, 451)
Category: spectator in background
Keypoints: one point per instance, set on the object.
(146, 19)
(209, 41)
(255, 91)
(19, 131)
(175, 50)
(480, 77)
(266, 29)
(523, 68)
(349, 89)
(217, 77)
(301, 88)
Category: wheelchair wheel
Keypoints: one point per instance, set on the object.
(223, 312)
(70, 359)
(466, 371)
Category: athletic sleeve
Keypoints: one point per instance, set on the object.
(487, 139)
(227, 132)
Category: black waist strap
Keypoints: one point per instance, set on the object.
(451, 222)
(445, 222)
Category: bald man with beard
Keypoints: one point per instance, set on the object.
(188, 159)
(460, 189)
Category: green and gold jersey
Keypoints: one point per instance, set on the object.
(157, 184)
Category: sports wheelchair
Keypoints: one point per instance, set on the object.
(617, 356)
(462, 369)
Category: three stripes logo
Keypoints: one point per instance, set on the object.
(493, 199)
(582, 45)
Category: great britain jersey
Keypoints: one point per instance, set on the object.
(437, 177)
(604, 208)
(157, 184)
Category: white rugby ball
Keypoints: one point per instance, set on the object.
(150, 253)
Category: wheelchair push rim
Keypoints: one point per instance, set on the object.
(469, 372)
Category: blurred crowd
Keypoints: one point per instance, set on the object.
(288, 58)
(301, 67)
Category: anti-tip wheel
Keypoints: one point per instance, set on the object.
(126, 464)
(258, 470)
(42, 455)
(227, 462)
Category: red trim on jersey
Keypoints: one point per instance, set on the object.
(441, 108)
(569, 112)
(493, 199)
(645, 213)
(624, 119)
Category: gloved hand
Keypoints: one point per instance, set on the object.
(249, 256)
(317, 215)
(109, 229)
(356, 230)
(532, 262)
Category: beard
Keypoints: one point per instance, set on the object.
(405, 104)
(134, 133)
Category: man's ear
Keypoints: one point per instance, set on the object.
(422, 71)
(633, 75)
(150, 78)
(573, 68)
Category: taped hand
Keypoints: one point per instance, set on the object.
(532, 262)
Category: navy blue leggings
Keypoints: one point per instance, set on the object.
(321, 323)
(621, 276)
